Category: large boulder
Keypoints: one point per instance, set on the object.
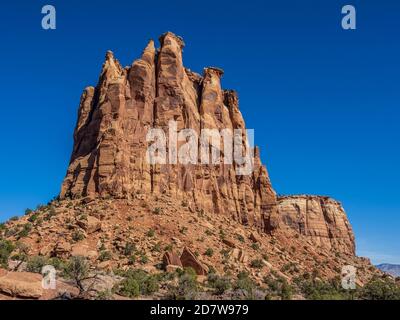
(188, 259)
(171, 259)
(21, 284)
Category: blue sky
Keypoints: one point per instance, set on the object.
(324, 102)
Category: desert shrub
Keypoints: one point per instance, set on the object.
(104, 295)
(143, 259)
(132, 260)
(255, 246)
(209, 252)
(129, 249)
(77, 236)
(187, 288)
(28, 211)
(105, 255)
(14, 218)
(26, 228)
(256, 263)
(380, 289)
(220, 284)
(286, 291)
(157, 210)
(138, 282)
(36, 263)
(209, 232)
(150, 233)
(240, 238)
(6, 247)
(129, 288)
(246, 284)
(77, 269)
(323, 290)
(51, 213)
(33, 217)
(157, 247)
(56, 263)
(12, 231)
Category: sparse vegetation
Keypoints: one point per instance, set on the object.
(137, 282)
(209, 252)
(26, 228)
(187, 288)
(6, 248)
(245, 284)
(129, 249)
(105, 255)
(77, 269)
(220, 284)
(78, 235)
(150, 233)
(256, 263)
(36, 263)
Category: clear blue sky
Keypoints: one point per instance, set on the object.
(324, 102)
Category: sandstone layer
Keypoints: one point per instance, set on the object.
(109, 153)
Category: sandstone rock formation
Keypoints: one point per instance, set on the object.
(109, 153)
(322, 219)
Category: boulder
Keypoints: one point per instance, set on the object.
(229, 242)
(21, 284)
(171, 258)
(90, 224)
(188, 259)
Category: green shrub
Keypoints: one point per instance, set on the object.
(209, 252)
(132, 260)
(138, 282)
(187, 288)
(256, 263)
(77, 269)
(157, 247)
(157, 210)
(33, 217)
(255, 246)
(129, 249)
(14, 218)
(77, 236)
(6, 247)
(36, 263)
(323, 290)
(28, 211)
(105, 255)
(220, 284)
(26, 228)
(129, 288)
(143, 259)
(245, 283)
(380, 289)
(240, 238)
(150, 233)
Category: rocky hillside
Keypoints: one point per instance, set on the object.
(120, 213)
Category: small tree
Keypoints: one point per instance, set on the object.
(77, 269)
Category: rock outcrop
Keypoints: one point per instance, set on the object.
(109, 153)
(322, 219)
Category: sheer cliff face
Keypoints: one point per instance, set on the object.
(322, 219)
(109, 153)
